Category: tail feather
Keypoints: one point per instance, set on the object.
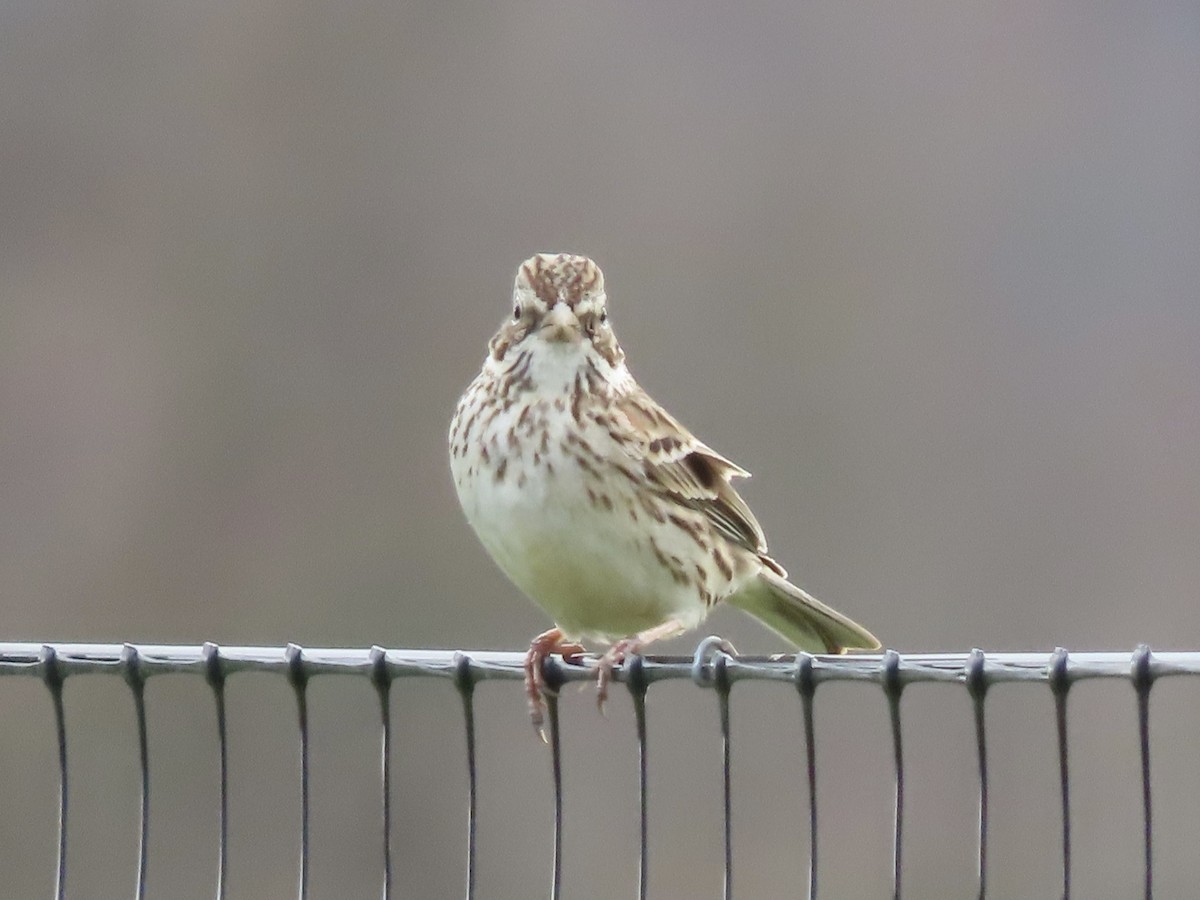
(800, 618)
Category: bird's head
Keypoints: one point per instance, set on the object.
(559, 307)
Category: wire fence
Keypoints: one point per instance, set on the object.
(710, 667)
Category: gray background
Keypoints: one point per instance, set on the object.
(930, 271)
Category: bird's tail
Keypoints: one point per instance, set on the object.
(800, 618)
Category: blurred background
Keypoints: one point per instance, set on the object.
(930, 271)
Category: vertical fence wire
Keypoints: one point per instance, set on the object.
(52, 676)
(976, 681)
(214, 675)
(381, 679)
(464, 681)
(131, 669)
(807, 686)
(893, 686)
(553, 678)
(721, 683)
(637, 685)
(1143, 680)
(710, 667)
(298, 679)
(1059, 685)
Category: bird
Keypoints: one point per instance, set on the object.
(597, 503)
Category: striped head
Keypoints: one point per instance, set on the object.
(559, 305)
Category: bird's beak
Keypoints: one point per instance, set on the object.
(559, 325)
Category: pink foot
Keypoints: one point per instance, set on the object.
(541, 647)
(616, 655)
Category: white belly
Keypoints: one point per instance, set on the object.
(591, 567)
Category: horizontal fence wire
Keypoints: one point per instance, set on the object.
(712, 666)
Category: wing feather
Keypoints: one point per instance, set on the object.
(687, 471)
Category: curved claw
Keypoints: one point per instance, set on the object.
(615, 656)
(623, 649)
(541, 648)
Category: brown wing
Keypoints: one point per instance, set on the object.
(682, 468)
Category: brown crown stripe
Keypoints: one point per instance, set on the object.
(565, 276)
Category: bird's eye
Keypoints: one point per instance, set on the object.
(516, 312)
(604, 317)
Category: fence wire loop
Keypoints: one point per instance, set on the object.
(704, 660)
(554, 675)
(1142, 669)
(464, 673)
(297, 673)
(131, 667)
(51, 671)
(381, 675)
(806, 682)
(975, 674)
(634, 669)
(214, 670)
(892, 679)
(1058, 674)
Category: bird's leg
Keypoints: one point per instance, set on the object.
(541, 647)
(626, 647)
